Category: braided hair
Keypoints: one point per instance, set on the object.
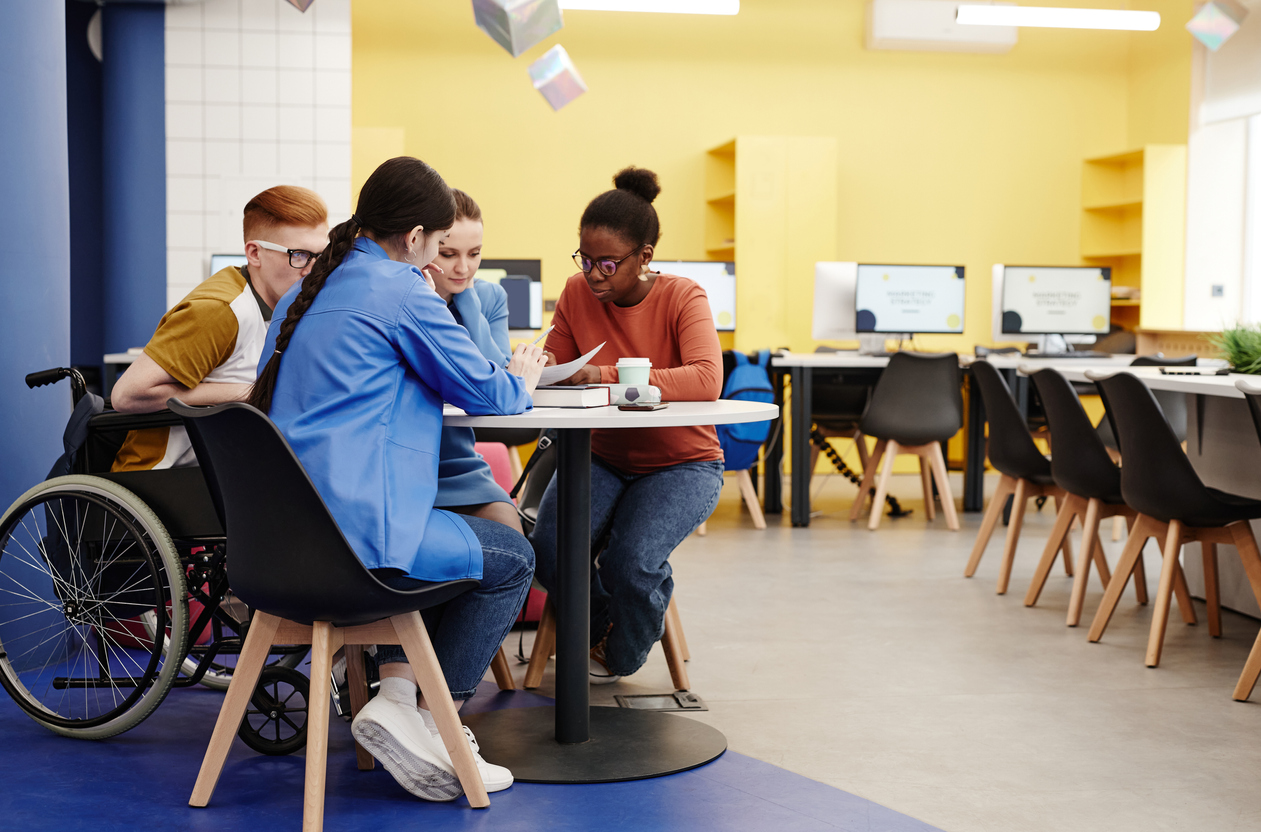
(399, 195)
(627, 210)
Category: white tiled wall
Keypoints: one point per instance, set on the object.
(257, 94)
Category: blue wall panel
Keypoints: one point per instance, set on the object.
(134, 162)
(34, 248)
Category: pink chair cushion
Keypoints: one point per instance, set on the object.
(496, 456)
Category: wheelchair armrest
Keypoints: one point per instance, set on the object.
(113, 420)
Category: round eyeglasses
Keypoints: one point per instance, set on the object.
(299, 258)
(606, 265)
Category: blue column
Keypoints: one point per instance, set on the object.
(134, 172)
(34, 248)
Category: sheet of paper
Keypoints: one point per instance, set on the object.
(560, 372)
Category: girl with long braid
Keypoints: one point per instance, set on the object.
(363, 358)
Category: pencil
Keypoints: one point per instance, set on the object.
(546, 333)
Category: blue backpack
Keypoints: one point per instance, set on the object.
(750, 383)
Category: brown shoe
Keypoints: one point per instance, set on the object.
(598, 665)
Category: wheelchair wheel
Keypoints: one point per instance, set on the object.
(83, 563)
(276, 719)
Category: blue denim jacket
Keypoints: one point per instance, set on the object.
(359, 397)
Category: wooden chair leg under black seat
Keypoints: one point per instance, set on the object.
(266, 630)
(930, 456)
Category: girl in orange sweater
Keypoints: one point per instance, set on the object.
(650, 488)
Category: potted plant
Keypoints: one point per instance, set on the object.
(1241, 346)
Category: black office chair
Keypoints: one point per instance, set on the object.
(1173, 405)
(916, 405)
(1026, 473)
(289, 561)
(1173, 505)
(1085, 471)
(1251, 668)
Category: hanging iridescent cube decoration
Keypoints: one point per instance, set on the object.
(301, 5)
(554, 75)
(1216, 22)
(516, 25)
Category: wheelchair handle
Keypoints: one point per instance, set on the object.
(43, 377)
(78, 386)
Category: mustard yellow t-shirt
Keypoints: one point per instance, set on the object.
(216, 334)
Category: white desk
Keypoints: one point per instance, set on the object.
(573, 742)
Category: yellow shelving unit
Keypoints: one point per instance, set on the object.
(1134, 220)
(771, 206)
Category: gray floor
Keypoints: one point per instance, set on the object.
(866, 661)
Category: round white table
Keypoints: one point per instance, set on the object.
(573, 742)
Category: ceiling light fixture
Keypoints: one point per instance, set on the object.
(977, 15)
(671, 6)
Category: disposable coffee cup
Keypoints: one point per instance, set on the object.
(633, 370)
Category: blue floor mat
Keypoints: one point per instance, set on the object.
(143, 779)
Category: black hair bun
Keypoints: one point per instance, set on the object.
(639, 181)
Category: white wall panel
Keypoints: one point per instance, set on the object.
(1215, 225)
(242, 89)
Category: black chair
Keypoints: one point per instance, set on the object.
(290, 562)
(1173, 405)
(1173, 505)
(917, 404)
(1251, 668)
(1085, 471)
(1025, 473)
(837, 406)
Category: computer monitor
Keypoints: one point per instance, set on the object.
(523, 281)
(894, 300)
(1052, 300)
(219, 262)
(718, 279)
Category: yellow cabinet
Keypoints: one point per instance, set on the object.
(1134, 220)
(771, 206)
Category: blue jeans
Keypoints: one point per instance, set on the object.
(644, 517)
(467, 630)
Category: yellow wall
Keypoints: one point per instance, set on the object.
(971, 159)
(1160, 77)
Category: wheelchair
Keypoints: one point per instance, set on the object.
(113, 591)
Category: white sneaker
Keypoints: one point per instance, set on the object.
(495, 778)
(598, 668)
(398, 738)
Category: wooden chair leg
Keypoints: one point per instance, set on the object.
(514, 464)
(322, 647)
(860, 442)
(1067, 546)
(357, 682)
(1212, 590)
(1101, 563)
(1006, 485)
(702, 529)
(869, 477)
(673, 610)
(1164, 594)
(745, 480)
(941, 476)
(674, 653)
(249, 664)
(420, 655)
(1140, 571)
(1183, 594)
(1090, 550)
(1251, 670)
(882, 485)
(1246, 544)
(926, 483)
(1118, 527)
(502, 670)
(1063, 522)
(1142, 529)
(544, 642)
(1013, 534)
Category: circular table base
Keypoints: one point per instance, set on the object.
(624, 745)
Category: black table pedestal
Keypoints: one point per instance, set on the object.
(573, 742)
(624, 745)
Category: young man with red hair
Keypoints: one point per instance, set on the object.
(206, 348)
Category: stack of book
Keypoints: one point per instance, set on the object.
(582, 395)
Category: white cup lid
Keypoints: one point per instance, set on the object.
(634, 362)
